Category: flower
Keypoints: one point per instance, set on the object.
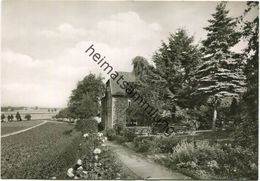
(105, 138)
(80, 168)
(193, 164)
(96, 157)
(79, 162)
(213, 164)
(103, 144)
(70, 172)
(97, 151)
(85, 172)
(100, 134)
(85, 135)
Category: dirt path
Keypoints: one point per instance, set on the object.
(23, 130)
(27, 129)
(143, 167)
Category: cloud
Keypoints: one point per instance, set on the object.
(48, 81)
(127, 29)
(64, 31)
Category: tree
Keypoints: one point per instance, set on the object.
(28, 117)
(141, 69)
(175, 63)
(2, 117)
(140, 66)
(11, 117)
(221, 32)
(18, 116)
(85, 99)
(63, 113)
(220, 76)
(247, 133)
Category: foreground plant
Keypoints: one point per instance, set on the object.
(96, 161)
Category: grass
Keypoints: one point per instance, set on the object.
(41, 153)
(10, 127)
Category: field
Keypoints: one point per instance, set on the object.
(10, 127)
(41, 153)
(36, 114)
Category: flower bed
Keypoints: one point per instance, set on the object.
(95, 161)
(201, 160)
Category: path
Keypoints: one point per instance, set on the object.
(143, 167)
(27, 129)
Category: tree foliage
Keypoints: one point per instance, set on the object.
(85, 99)
(220, 76)
(247, 130)
(221, 34)
(175, 63)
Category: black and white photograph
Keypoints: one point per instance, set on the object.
(129, 90)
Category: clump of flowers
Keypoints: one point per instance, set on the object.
(96, 160)
(77, 171)
(213, 164)
(85, 135)
(97, 151)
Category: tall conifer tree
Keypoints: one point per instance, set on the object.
(221, 74)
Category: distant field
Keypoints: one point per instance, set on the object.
(10, 127)
(36, 114)
(41, 153)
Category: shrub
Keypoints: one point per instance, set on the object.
(28, 117)
(119, 128)
(111, 133)
(87, 125)
(120, 139)
(130, 135)
(225, 162)
(166, 144)
(144, 144)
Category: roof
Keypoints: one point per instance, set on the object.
(115, 87)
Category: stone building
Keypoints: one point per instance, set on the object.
(115, 102)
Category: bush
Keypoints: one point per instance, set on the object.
(119, 128)
(119, 139)
(130, 135)
(144, 144)
(87, 125)
(221, 162)
(111, 133)
(28, 117)
(156, 144)
(166, 145)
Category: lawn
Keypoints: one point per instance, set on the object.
(10, 127)
(41, 153)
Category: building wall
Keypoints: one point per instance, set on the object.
(103, 111)
(119, 106)
(107, 108)
(113, 109)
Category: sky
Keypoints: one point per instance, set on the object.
(43, 42)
